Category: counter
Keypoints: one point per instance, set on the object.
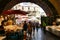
(54, 29)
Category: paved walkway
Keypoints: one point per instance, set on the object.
(40, 35)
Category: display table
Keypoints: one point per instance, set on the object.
(54, 29)
(12, 28)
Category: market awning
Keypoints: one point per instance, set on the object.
(7, 12)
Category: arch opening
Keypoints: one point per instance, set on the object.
(34, 11)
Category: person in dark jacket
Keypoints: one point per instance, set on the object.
(25, 26)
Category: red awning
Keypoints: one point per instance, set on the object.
(14, 12)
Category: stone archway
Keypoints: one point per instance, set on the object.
(40, 3)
